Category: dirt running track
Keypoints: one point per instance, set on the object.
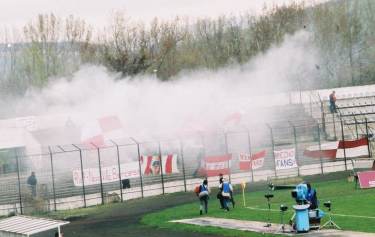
(125, 220)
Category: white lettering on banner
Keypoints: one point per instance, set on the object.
(285, 159)
(109, 174)
(217, 165)
(255, 162)
(245, 157)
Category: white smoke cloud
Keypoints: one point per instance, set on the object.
(193, 101)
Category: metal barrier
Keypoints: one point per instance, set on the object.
(61, 170)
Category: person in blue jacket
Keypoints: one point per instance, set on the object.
(227, 189)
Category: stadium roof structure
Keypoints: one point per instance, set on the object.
(28, 226)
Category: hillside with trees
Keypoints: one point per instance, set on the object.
(51, 47)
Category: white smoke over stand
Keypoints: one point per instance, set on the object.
(192, 102)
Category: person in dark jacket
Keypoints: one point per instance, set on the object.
(32, 182)
(311, 197)
(219, 194)
(203, 196)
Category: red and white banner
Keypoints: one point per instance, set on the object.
(151, 164)
(254, 161)
(366, 179)
(105, 128)
(215, 165)
(109, 174)
(285, 159)
(128, 170)
(353, 149)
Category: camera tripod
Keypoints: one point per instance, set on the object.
(330, 223)
(283, 209)
(268, 196)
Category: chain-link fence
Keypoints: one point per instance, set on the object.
(73, 176)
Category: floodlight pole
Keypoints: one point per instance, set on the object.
(139, 164)
(53, 178)
(82, 175)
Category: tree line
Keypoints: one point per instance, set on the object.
(49, 47)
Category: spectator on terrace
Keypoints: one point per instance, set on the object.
(332, 102)
(32, 182)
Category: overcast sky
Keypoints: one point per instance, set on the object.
(98, 12)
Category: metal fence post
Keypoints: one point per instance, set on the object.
(82, 175)
(368, 140)
(320, 150)
(140, 166)
(273, 148)
(183, 163)
(334, 125)
(356, 127)
(295, 146)
(323, 119)
(100, 173)
(251, 162)
(161, 170)
(343, 142)
(119, 169)
(203, 147)
(227, 151)
(19, 182)
(53, 178)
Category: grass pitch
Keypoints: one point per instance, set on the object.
(353, 209)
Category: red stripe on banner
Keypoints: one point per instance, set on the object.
(245, 165)
(353, 143)
(148, 165)
(258, 155)
(323, 153)
(213, 159)
(168, 164)
(210, 173)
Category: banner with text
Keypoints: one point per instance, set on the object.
(150, 165)
(252, 162)
(285, 159)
